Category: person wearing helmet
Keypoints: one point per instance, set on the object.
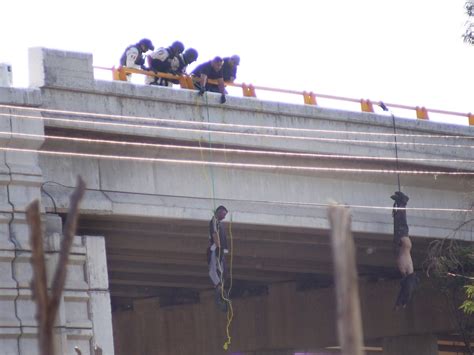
(133, 56)
(402, 241)
(210, 70)
(230, 68)
(180, 63)
(160, 61)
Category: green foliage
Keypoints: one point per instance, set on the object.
(468, 305)
(450, 264)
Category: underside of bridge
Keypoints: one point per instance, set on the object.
(165, 261)
(167, 258)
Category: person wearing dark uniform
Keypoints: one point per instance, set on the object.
(402, 241)
(180, 63)
(210, 70)
(215, 254)
(133, 56)
(230, 68)
(161, 61)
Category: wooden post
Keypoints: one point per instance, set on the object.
(349, 323)
(47, 306)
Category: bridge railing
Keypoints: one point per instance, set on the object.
(309, 97)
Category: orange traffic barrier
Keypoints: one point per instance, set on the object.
(421, 113)
(309, 98)
(366, 105)
(248, 90)
(120, 73)
(186, 82)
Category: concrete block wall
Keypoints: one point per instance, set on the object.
(84, 317)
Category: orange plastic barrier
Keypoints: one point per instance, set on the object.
(309, 98)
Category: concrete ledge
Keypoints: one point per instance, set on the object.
(20, 97)
(56, 68)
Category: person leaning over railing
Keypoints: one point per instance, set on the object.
(210, 70)
(161, 60)
(180, 63)
(230, 68)
(133, 56)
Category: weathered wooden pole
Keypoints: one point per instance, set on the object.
(47, 306)
(349, 323)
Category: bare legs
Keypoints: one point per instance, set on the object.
(402, 240)
(404, 260)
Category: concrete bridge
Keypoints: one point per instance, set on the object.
(144, 153)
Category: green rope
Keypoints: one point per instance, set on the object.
(210, 156)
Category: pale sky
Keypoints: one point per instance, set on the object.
(406, 51)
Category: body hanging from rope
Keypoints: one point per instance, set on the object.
(215, 256)
(402, 241)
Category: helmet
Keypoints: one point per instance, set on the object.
(178, 47)
(190, 55)
(236, 59)
(147, 43)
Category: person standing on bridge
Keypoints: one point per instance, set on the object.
(402, 241)
(215, 255)
(133, 56)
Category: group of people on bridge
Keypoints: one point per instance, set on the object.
(175, 60)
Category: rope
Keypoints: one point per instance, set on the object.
(396, 145)
(230, 310)
(226, 298)
(240, 165)
(217, 124)
(210, 154)
(284, 203)
(235, 133)
(228, 150)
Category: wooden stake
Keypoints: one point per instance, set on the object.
(349, 323)
(47, 307)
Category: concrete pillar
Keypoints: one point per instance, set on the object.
(84, 315)
(411, 345)
(59, 69)
(100, 308)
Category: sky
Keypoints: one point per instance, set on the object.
(405, 52)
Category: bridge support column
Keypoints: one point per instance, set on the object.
(84, 315)
(411, 345)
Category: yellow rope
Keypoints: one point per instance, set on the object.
(210, 178)
(230, 310)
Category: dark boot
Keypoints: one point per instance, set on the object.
(400, 226)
